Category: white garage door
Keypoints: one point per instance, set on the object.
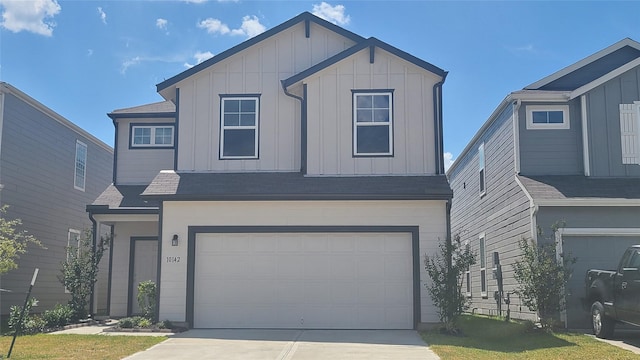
(304, 280)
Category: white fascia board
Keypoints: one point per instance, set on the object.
(114, 218)
(588, 202)
(604, 78)
(589, 59)
(599, 231)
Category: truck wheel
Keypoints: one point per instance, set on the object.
(601, 324)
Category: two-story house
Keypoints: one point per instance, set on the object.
(563, 150)
(292, 181)
(50, 169)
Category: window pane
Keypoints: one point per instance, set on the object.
(231, 106)
(239, 142)
(539, 117)
(372, 140)
(231, 119)
(163, 136)
(364, 101)
(381, 115)
(248, 106)
(482, 180)
(142, 136)
(381, 101)
(247, 119)
(483, 280)
(555, 117)
(482, 254)
(364, 115)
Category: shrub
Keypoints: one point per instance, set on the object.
(144, 323)
(33, 325)
(60, 315)
(445, 269)
(14, 315)
(147, 299)
(164, 324)
(127, 323)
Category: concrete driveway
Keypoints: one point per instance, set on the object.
(249, 344)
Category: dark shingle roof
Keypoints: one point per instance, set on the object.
(124, 196)
(295, 186)
(562, 187)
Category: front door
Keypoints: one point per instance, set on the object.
(144, 260)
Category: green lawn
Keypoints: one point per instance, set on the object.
(67, 346)
(488, 338)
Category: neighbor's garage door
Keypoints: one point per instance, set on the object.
(304, 280)
(591, 252)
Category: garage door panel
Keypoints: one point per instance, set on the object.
(318, 280)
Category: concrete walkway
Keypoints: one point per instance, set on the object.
(256, 344)
(98, 330)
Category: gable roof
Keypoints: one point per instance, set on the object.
(590, 68)
(305, 16)
(371, 43)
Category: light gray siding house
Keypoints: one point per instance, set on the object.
(49, 170)
(564, 149)
(292, 181)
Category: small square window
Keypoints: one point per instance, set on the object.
(239, 127)
(547, 117)
(372, 123)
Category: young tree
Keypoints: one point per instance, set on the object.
(446, 269)
(542, 279)
(13, 242)
(80, 271)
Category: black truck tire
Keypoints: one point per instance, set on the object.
(601, 324)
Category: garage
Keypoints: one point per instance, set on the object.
(591, 252)
(309, 279)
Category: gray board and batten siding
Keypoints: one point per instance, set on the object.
(37, 164)
(502, 213)
(551, 151)
(603, 119)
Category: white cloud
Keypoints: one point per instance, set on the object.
(130, 62)
(136, 60)
(214, 26)
(162, 24)
(250, 27)
(195, 1)
(334, 14)
(200, 57)
(35, 16)
(448, 160)
(103, 15)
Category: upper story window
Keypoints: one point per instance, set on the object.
(547, 117)
(481, 169)
(151, 136)
(239, 127)
(373, 123)
(80, 166)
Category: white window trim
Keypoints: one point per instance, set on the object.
(356, 124)
(223, 127)
(482, 170)
(82, 186)
(482, 239)
(152, 143)
(565, 117)
(77, 245)
(467, 276)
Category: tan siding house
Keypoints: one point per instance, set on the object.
(297, 182)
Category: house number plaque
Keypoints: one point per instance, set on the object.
(173, 259)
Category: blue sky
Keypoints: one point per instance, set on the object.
(84, 59)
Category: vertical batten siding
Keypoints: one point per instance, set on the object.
(552, 151)
(604, 134)
(139, 166)
(502, 214)
(331, 110)
(255, 70)
(38, 167)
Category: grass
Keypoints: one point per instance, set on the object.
(67, 346)
(494, 339)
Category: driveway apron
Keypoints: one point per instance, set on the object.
(254, 344)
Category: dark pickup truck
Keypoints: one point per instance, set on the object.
(614, 295)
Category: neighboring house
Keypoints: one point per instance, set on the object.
(49, 169)
(565, 149)
(293, 181)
